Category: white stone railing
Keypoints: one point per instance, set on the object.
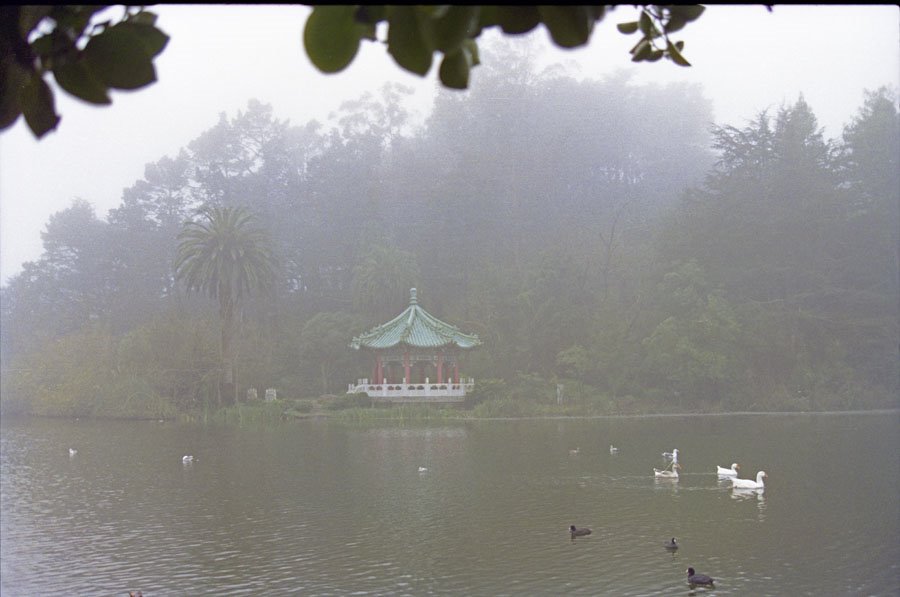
(406, 392)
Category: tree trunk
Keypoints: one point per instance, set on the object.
(227, 386)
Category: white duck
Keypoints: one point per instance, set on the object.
(728, 472)
(748, 484)
(613, 449)
(187, 459)
(667, 474)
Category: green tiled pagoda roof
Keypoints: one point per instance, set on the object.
(417, 328)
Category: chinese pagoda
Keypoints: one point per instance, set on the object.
(415, 358)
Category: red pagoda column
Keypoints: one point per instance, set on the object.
(406, 367)
(456, 372)
(440, 369)
(379, 372)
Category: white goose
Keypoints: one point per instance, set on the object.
(667, 474)
(748, 484)
(728, 472)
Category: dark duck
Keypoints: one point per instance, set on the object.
(576, 532)
(698, 580)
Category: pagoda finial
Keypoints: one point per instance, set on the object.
(412, 297)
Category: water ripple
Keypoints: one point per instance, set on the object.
(320, 510)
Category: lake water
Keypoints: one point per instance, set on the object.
(320, 508)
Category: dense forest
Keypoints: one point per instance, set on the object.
(600, 234)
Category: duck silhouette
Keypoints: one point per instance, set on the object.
(672, 545)
(576, 532)
(698, 580)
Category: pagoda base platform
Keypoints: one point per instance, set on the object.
(414, 392)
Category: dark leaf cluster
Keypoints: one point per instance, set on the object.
(87, 54)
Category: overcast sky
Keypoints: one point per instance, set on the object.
(219, 57)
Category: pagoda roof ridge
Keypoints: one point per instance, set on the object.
(417, 328)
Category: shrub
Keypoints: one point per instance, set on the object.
(348, 401)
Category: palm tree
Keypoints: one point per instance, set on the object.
(224, 256)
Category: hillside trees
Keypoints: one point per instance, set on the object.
(772, 284)
(777, 226)
(67, 288)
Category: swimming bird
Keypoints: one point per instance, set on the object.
(613, 449)
(748, 484)
(187, 458)
(72, 452)
(698, 580)
(422, 469)
(728, 472)
(576, 532)
(673, 455)
(574, 451)
(667, 474)
(672, 545)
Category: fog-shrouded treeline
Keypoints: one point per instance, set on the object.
(600, 234)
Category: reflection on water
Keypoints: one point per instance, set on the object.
(752, 494)
(317, 508)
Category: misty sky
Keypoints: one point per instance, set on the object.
(219, 57)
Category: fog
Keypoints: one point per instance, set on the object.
(746, 59)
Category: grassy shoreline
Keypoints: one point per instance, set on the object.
(281, 412)
(360, 409)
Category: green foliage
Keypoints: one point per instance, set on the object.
(502, 408)
(400, 413)
(86, 55)
(249, 414)
(574, 361)
(77, 375)
(486, 389)
(332, 37)
(777, 229)
(382, 279)
(324, 346)
(224, 256)
(304, 406)
(175, 357)
(655, 23)
(345, 401)
(415, 33)
(89, 56)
